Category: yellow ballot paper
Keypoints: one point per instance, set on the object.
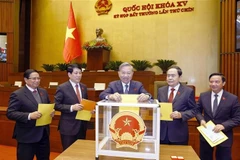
(166, 110)
(88, 107)
(129, 98)
(45, 110)
(211, 137)
(84, 115)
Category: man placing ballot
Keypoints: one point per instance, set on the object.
(125, 86)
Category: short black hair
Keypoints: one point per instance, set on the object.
(218, 74)
(72, 66)
(179, 70)
(28, 72)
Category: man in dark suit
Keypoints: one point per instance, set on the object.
(184, 108)
(23, 105)
(67, 100)
(125, 86)
(225, 115)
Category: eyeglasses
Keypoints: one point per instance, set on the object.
(35, 78)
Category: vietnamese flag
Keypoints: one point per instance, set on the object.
(72, 48)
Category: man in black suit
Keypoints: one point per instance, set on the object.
(67, 100)
(184, 108)
(125, 85)
(23, 105)
(225, 115)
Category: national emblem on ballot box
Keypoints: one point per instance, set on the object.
(127, 129)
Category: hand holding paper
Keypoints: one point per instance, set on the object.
(46, 111)
(211, 137)
(129, 98)
(86, 113)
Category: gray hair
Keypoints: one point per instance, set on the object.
(125, 64)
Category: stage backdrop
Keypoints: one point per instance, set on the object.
(185, 31)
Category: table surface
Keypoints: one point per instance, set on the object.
(85, 150)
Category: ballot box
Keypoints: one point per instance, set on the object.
(127, 129)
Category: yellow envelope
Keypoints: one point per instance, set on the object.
(84, 115)
(88, 107)
(129, 98)
(207, 137)
(165, 111)
(45, 110)
(88, 104)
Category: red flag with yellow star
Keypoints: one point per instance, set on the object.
(72, 47)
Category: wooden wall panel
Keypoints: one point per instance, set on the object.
(6, 26)
(6, 16)
(230, 67)
(229, 58)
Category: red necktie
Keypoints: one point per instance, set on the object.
(170, 99)
(78, 93)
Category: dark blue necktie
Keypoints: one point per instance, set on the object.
(126, 89)
(215, 104)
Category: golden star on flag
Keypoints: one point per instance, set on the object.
(69, 33)
(127, 122)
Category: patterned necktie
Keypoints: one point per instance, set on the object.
(36, 96)
(126, 89)
(170, 99)
(78, 93)
(215, 104)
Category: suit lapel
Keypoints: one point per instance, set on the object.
(29, 96)
(120, 87)
(207, 104)
(42, 95)
(165, 95)
(72, 91)
(222, 102)
(178, 94)
(132, 87)
(83, 91)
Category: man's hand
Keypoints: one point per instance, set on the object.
(52, 114)
(77, 107)
(35, 115)
(218, 128)
(115, 97)
(143, 97)
(203, 123)
(176, 115)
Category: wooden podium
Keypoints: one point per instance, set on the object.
(97, 59)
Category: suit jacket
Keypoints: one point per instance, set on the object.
(65, 97)
(183, 102)
(116, 86)
(21, 103)
(227, 114)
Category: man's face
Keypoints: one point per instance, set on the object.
(33, 81)
(125, 74)
(172, 77)
(216, 83)
(76, 75)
